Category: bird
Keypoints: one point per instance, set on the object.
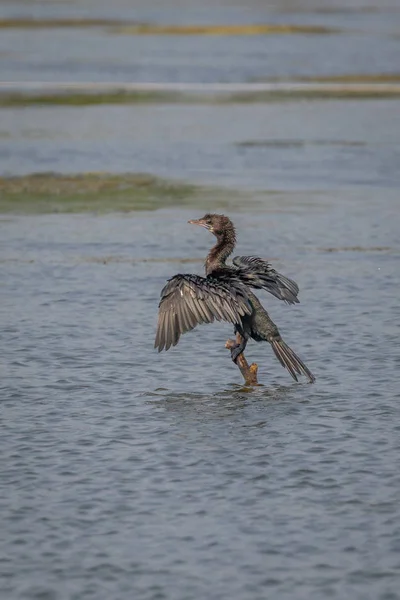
(225, 294)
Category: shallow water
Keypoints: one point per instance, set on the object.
(131, 474)
(321, 144)
(128, 472)
(365, 40)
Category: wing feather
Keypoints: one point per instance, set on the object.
(258, 273)
(190, 300)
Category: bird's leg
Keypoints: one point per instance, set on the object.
(238, 348)
(249, 372)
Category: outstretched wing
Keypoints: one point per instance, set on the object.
(258, 273)
(189, 300)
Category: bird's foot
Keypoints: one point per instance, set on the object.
(236, 351)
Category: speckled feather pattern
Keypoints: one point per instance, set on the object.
(190, 300)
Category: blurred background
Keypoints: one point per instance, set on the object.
(131, 474)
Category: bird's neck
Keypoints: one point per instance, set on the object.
(216, 258)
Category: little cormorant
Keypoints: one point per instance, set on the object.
(225, 295)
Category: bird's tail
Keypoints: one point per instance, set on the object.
(290, 360)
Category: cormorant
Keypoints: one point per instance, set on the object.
(225, 295)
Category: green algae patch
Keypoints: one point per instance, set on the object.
(134, 28)
(101, 193)
(224, 30)
(71, 98)
(92, 192)
(361, 92)
(355, 78)
(273, 93)
(298, 143)
(56, 23)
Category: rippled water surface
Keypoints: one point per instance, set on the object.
(131, 474)
(361, 37)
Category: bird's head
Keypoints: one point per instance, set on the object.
(219, 225)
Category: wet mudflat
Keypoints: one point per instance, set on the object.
(126, 473)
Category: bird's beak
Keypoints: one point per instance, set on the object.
(198, 222)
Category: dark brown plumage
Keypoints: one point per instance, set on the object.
(225, 295)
